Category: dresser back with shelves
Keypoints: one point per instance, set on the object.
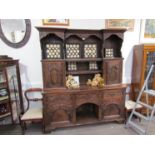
(81, 53)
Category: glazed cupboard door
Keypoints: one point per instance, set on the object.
(149, 59)
(53, 73)
(5, 109)
(143, 58)
(13, 88)
(11, 101)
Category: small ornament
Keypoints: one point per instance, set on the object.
(71, 83)
(97, 81)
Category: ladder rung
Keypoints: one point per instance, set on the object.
(150, 92)
(146, 105)
(140, 115)
(137, 127)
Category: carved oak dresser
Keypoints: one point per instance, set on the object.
(81, 53)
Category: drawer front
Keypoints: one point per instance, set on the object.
(57, 101)
(113, 96)
(91, 97)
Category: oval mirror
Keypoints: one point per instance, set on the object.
(15, 32)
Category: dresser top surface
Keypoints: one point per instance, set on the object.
(83, 89)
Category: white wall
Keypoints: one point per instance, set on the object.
(130, 39)
(30, 54)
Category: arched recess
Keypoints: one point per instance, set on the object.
(51, 39)
(92, 39)
(114, 42)
(73, 47)
(87, 112)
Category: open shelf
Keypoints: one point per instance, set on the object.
(5, 115)
(81, 53)
(83, 72)
(3, 98)
(3, 85)
(86, 119)
(87, 113)
(83, 60)
(114, 42)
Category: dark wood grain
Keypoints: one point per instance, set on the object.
(61, 106)
(112, 70)
(85, 105)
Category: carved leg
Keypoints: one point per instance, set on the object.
(120, 121)
(74, 116)
(47, 131)
(43, 127)
(126, 115)
(23, 127)
(100, 114)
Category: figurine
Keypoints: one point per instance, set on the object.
(97, 81)
(71, 83)
(89, 82)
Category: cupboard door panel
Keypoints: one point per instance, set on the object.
(54, 74)
(113, 96)
(112, 110)
(113, 71)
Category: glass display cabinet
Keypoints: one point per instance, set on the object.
(143, 58)
(11, 102)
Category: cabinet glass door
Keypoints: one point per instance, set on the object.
(14, 92)
(5, 112)
(150, 59)
(2, 77)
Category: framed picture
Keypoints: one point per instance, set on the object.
(147, 34)
(120, 24)
(76, 78)
(57, 22)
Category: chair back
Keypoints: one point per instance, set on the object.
(29, 95)
(129, 92)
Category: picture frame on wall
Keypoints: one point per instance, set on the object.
(120, 24)
(56, 22)
(147, 34)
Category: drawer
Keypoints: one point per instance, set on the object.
(52, 108)
(57, 101)
(113, 96)
(92, 97)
